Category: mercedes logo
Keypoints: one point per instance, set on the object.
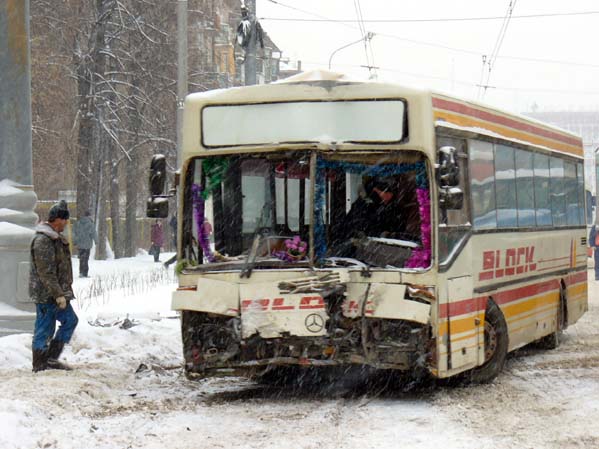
(314, 323)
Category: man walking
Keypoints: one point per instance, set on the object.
(85, 237)
(50, 287)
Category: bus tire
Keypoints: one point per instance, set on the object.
(553, 340)
(496, 345)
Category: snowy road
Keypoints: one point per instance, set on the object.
(544, 399)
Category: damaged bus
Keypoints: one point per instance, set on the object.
(325, 222)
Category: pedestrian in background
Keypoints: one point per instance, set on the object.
(84, 237)
(50, 287)
(594, 243)
(157, 237)
(173, 225)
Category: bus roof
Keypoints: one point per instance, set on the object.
(444, 110)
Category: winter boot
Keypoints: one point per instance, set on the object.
(56, 348)
(39, 360)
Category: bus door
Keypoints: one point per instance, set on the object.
(464, 337)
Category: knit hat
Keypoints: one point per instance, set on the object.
(60, 210)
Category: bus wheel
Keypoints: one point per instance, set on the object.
(552, 340)
(496, 344)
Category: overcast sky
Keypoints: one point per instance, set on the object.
(447, 55)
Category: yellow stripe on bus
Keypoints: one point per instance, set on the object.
(539, 310)
(512, 310)
(461, 325)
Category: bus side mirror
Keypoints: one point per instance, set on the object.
(448, 170)
(448, 176)
(157, 206)
(157, 178)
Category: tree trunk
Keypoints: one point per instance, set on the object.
(103, 173)
(115, 215)
(86, 113)
(131, 206)
(90, 72)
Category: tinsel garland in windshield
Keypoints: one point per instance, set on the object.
(213, 169)
(421, 257)
(197, 195)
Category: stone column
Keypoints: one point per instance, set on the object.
(15, 92)
(17, 198)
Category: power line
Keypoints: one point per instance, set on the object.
(446, 47)
(502, 32)
(455, 49)
(367, 39)
(466, 83)
(479, 54)
(324, 18)
(447, 19)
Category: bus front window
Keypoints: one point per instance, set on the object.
(373, 210)
(239, 204)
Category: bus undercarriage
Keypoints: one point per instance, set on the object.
(214, 345)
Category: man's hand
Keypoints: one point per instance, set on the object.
(61, 302)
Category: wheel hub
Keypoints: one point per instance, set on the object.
(490, 341)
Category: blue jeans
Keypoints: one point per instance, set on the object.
(45, 325)
(596, 257)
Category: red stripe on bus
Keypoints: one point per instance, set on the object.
(471, 305)
(494, 118)
(525, 292)
(578, 277)
(462, 307)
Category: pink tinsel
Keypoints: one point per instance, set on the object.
(421, 257)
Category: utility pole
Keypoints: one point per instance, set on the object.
(249, 66)
(181, 72)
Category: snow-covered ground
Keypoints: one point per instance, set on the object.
(128, 391)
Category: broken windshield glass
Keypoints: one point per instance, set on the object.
(250, 205)
(374, 210)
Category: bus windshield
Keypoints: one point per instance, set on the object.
(369, 210)
(373, 210)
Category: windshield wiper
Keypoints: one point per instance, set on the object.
(250, 260)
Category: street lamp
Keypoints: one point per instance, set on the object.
(364, 38)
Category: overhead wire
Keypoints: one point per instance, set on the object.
(440, 19)
(457, 49)
(367, 38)
(489, 60)
(347, 24)
(307, 12)
(372, 65)
(498, 43)
(468, 83)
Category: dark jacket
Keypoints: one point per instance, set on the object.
(51, 273)
(85, 233)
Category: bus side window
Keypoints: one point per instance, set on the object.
(482, 184)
